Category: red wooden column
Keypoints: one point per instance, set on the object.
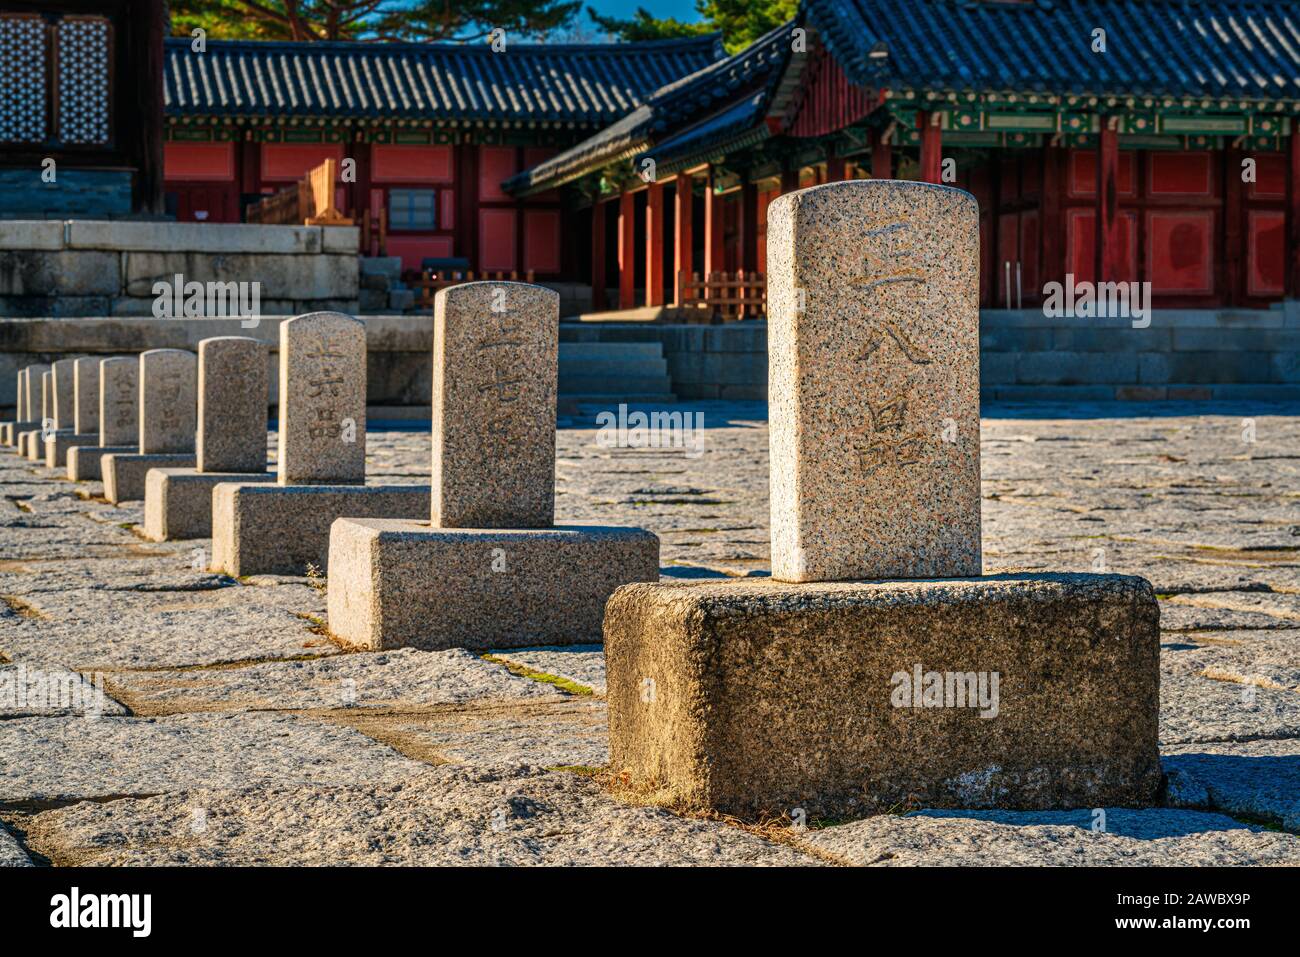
(684, 240)
(931, 147)
(749, 227)
(714, 252)
(1293, 214)
(1108, 265)
(882, 156)
(626, 247)
(789, 179)
(835, 168)
(749, 236)
(597, 257)
(1052, 261)
(1230, 273)
(654, 245)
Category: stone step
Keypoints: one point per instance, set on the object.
(610, 350)
(614, 385)
(604, 401)
(612, 367)
(612, 372)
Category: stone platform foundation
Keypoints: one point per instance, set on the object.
(178, 502)
(396, 584)
(124, 475)
(281, 529)
(1012, 691)
(85, 461)
(57, 443)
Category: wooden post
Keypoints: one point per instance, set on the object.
(714, 251)
(626, 245)
(931, 147)
(1230, 276)
(749, 227)
(467, 211)
(789, 179)
(882, 156)
(1293, 213)
(654, 245)
(684, 240)
(1108, 266)
(835, 168)
(1052, 260)
(748, 236)
(597, 256)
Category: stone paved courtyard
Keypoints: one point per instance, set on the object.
(236, 732)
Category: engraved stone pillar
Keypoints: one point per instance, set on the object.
(873, 342)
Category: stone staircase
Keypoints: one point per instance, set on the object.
(612, 372)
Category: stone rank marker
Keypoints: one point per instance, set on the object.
(27, 433)
(282, 528)
(511, 578)
(35, 451)
(118, 420)
(233, 392)
(66, 433)
(323, 417)
(167, 382)
(25, 410)
(493, 441)
(874, 385)
(758, 697)
(7, 427)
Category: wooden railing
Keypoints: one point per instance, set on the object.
(374, 232)
(308, 202)
(725, 295)
(430, 281)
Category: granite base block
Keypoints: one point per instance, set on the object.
(9, 431)
(1011, 691)
(36, 446)
(178, 502)
(398, 584)
(58, 443)
(25, 443)
(124, 475)
(85, 461)
(281, 529)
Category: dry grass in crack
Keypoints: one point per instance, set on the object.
(776, 829)
(564, 684)
(21, 608)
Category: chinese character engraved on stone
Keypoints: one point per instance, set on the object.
(496, 349)
(892, 242)
(887, 441)
(324, 385)
(316, 387)
(326, 425)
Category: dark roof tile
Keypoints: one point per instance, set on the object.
(587, 84)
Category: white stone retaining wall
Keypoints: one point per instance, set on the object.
(50, 268)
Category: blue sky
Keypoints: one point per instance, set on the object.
(678, 9)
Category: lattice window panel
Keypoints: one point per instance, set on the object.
(84, 57)
(22, 80)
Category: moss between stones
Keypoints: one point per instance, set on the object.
(564, 684)
(21, 608)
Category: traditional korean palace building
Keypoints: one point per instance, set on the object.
(1149, 140)
(1103, 138)
(431, 130)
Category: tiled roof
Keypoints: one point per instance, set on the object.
(583, 84)
(1248, 49)
(744, 117)
(668, 110)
